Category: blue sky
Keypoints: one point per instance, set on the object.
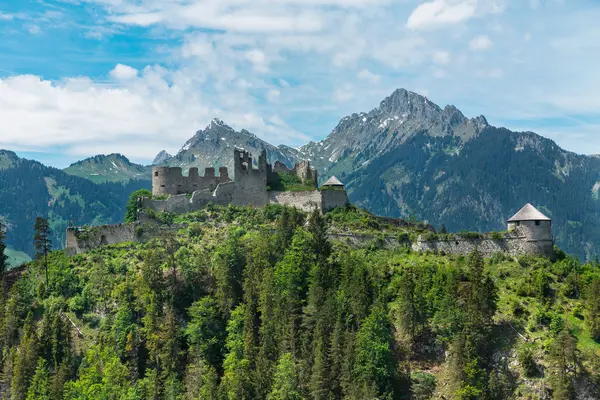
(83, 77)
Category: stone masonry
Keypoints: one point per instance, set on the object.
(249, 187)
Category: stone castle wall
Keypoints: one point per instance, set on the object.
(305, 201)
(81, 240)
(170, 180)
(512, 244)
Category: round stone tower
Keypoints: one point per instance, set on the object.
(166, 180)
(534, 229)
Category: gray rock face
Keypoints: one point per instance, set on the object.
(161, 158)
(213, 147)
(398, 118)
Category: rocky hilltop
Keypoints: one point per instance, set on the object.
(213, 147)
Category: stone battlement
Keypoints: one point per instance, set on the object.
(249, 186)
(171, 181)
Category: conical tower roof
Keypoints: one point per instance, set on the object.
(529, 213)
(333, 181)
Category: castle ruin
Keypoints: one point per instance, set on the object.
(249, 186)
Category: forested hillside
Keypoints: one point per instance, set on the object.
(29, 189)
(258, 304)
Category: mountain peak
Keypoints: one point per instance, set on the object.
(219, 123)
(161, 158)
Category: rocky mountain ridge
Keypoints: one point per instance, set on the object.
(213, 147)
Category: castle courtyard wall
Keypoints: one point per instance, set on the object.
(305, 201)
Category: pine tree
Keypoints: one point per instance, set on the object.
(42, 243)
(235, 384)
(25, 361)
(285, 385)
(592, 307)
(375, 369)
(39, 388)
(3, 256)
(317, 227)
(201, 382)
(563, 365)
(205, 332)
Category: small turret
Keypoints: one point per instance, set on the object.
(531, 224)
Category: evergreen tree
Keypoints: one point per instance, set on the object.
(39, 388)
(563, 365)
(133, 204)
(3, 256)
(317, 227)
(25, 361)
(592, 306)
(201, 382)
(43, 244)
(228, 265)
(375, 372)
(205, 332)
(235, 384)
(285, 385)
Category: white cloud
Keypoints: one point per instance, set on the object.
(344, 93)
(273, 95)
(441, 12)
(258, 60)
(441, 57)
(368, 76)
(123, 72)
(34, 29)
(158, 109)
(6, 17)
(480, 43)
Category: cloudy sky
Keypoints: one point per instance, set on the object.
(83, 77)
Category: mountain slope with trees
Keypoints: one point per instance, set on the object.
(110, 168)
(258, 304)
(30, 189)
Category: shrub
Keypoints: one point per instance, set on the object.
(526, 361)
(423, 385)
(77, 304)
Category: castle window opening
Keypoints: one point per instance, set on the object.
(162, 186)
(156, 173)
(537, 223)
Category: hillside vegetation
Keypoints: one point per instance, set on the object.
(29, 189)
(258, 304)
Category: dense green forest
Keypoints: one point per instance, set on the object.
(30, 189)
(250, 303)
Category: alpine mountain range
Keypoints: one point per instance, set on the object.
(405, 158)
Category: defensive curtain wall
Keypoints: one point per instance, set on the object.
(525, 238)
(250, 186)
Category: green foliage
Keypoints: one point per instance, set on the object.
(3, 256)
(40, 385)
(133, 204)
(290, 182)
(269, 306)
(592, 308)
(527, 361)
(285, 385)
